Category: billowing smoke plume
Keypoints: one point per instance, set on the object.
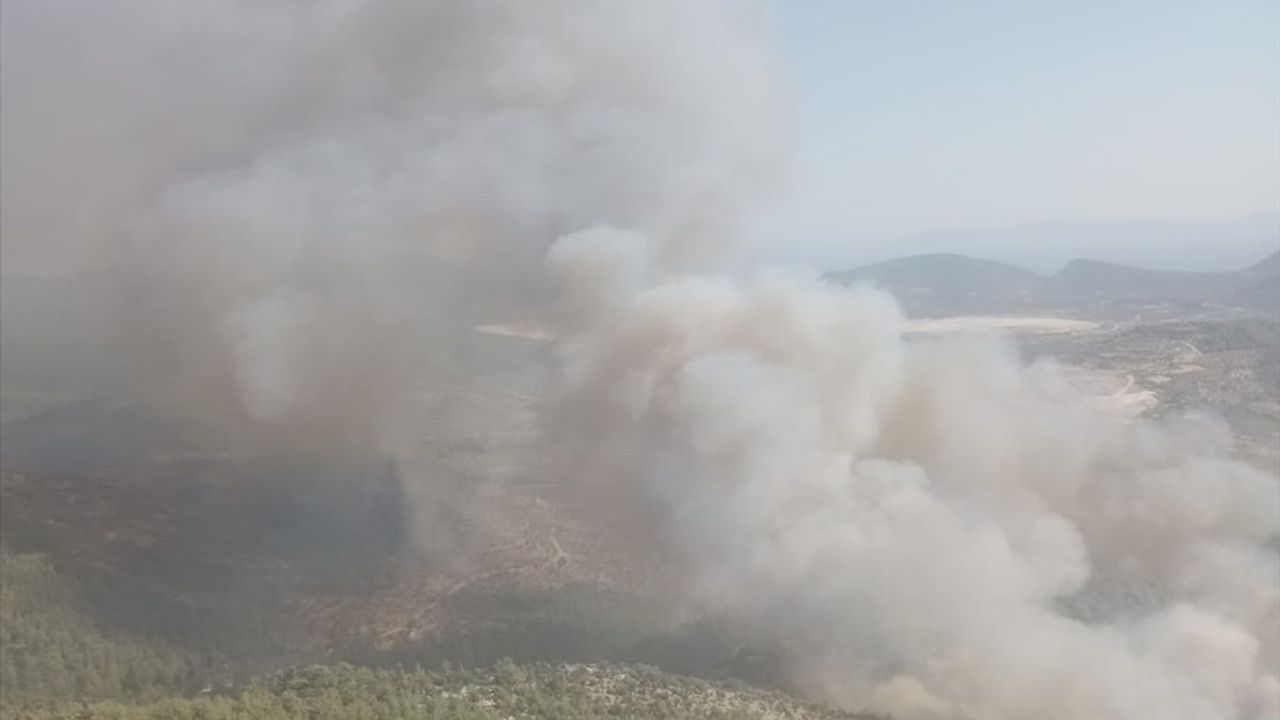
(317, 196)
(931, 530)
(310, 186)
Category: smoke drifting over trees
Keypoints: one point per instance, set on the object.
(309, 194)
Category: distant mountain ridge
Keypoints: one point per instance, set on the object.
(966, 284)
(1153, 243)
(950, 284)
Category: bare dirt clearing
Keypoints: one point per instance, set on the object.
(1006, 323)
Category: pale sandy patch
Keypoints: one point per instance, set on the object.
(1117, 392)
(1001, 323)
(525, 330)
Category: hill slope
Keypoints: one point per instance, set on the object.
(1083, 278)
(941, 281)
(1267, 266)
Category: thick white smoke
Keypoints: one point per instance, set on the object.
(934, 530)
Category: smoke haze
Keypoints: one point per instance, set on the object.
(931, 529)
(309, 203)
(303, 186)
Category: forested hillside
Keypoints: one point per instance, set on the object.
(50, 650)
(59, 662)
(534, 692)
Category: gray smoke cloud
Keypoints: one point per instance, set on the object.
(311, 189)
(303, 209)
(320, 197)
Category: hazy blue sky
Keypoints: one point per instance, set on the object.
(914, 116)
